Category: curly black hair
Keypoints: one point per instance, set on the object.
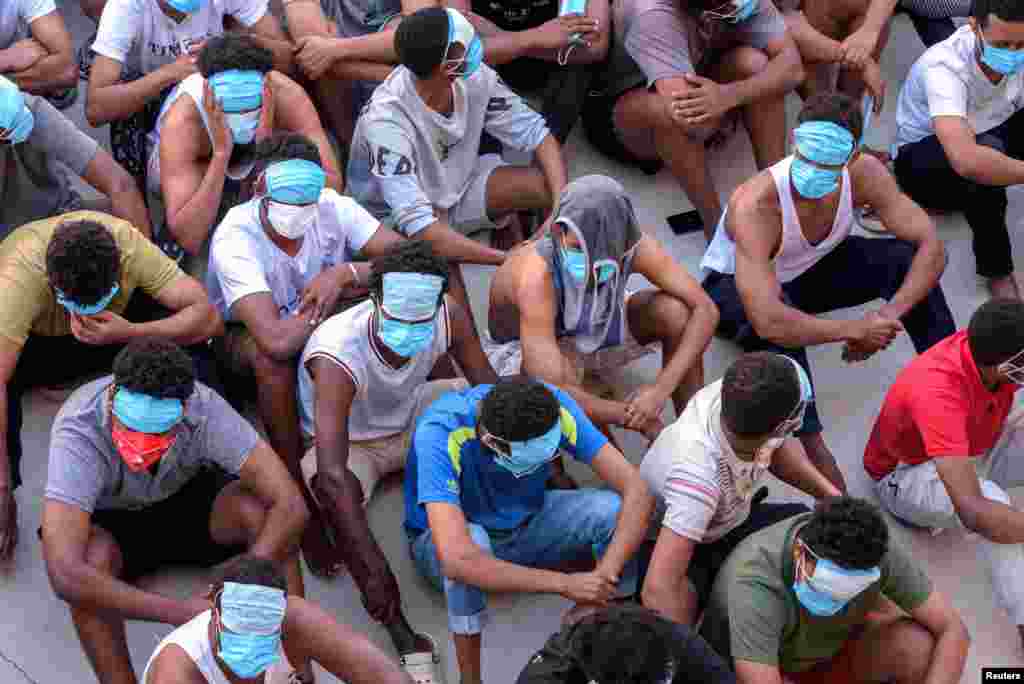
(155, 367)
(1007, 10)
(285, 146)
(233, 50)
(421, 40)
(410, 257)
(836, 107)
(759, 391)
(996, 331)
(629, 644)
(253, 570)
(519, 408)
(848, 531)
(83, 261)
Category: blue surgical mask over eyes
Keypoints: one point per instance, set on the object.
(240, 94)
(526, 458)
(87, 309)
(250, 627)
(186, 6)
(821, 142)
(462, 32)
(295, 181)
(143, 413)
(15, 116)
(408, 307)
(1001, 60)
(831, 587)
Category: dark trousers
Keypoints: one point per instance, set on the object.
(924, 172)
(931, 31)
(859, 270)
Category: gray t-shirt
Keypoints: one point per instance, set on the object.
(656, 39)
(360, 17)
(36, 176)
(86, 471)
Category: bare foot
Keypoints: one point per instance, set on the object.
(321, 556)
(1004, 287)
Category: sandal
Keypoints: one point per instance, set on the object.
(423, 667)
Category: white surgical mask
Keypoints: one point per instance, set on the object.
(291, 221)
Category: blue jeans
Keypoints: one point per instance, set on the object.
(572, 524)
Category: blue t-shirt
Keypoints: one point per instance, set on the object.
(448, 464)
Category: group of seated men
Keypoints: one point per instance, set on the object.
(229, 259)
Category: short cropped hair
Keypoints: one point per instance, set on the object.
(411, 257)
(848, 531)
(518, 409)
(233, 50)
(421, 40)
(996, 331)
(1007, 10)
(285, 146)
(759, 391)
(836, 107)
(83, 261)
(155, 367)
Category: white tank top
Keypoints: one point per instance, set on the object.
(193, 637)
(796, 255)
(193, 86)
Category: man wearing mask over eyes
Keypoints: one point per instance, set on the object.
(560, 307)
(479, 519)
(809, 601)
(201, 148)
(678, 75)
(415, 159)
(279, 265)
(959, 139)
(783, 253)
(704, 469)
(363, 382)
(252, 630)
(38, 148)
(148, 469)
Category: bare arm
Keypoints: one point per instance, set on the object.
(993, 520)
(264, 474)
(194, 319)
(635, 513)
(268, 32)
(294, 112)
(58, 69)
(952, 641)
(107, 176)
(456, 247)
(667, 588)
(784, 72)
(110, 99)
(310, 633)
(664, 272)
(466, 348)
(749, 672)
(277, 337)
(66, 531)
(975, 162)
(906, 221)
(545, 41)
(791, 465)
(552, 165)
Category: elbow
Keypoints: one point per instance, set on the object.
(63, 580)
(123, 185)
(771, 329)
(963, 165)
(191, 241)
(68, 76)
(94, 113)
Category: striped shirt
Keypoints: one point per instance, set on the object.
(687, 469)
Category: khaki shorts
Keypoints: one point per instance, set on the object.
(374, 459)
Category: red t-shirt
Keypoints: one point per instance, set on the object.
(937, 407)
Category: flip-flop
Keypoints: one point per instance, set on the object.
(423, 667)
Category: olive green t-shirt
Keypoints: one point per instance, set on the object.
(753, 613)
(28, 303)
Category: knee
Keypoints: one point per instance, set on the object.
(252, 514)
(670, 130)
(602, 509)
(672, 316)
(104, 555)
(748, 62)
(913, 646)
(268, 368)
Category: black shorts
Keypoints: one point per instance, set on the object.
(175, 531)
(599, 125)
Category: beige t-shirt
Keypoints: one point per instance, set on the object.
(28, 303)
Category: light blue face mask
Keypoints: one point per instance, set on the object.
(295, 181)
(240, 93)
(1001, 60)
(526, 458)
(576, 265)
(832, 586)
(143, 413)
(822, 142)
(253, 616)
(410, 302)
(461, 31)
(15, 116)
(187, 6)
(87, 309)
(738, 11)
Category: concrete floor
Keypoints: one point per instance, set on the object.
(38, 643)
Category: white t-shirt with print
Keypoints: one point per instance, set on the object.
(385, 397)
(947, 81)
(687, 470)
(141, 37)
(16, 15)
(244, 261)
